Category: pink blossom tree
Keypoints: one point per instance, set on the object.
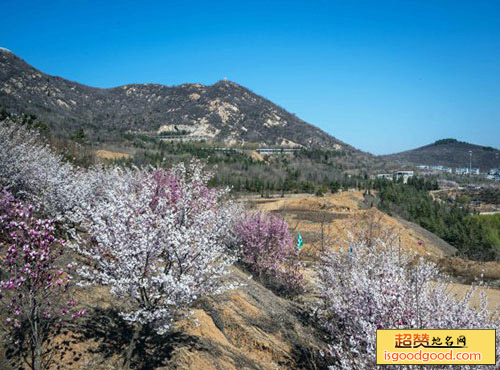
(159, 241)
(371, 285)
(267, 248)
(33, 288)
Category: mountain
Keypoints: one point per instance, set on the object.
(224, 111)
(450, 153)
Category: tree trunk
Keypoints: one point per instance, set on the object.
(37, 365)
(36, 338)
(131, 346)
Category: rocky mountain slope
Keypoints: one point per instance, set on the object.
(224, 111)
(451, 153)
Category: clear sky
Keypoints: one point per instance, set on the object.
(384, 76)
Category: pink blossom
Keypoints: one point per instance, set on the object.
(160, 239)
(267, 246)
(29, 267)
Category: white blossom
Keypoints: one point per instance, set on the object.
(371, 285)
(158, 240)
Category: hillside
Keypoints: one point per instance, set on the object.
(451, 153)
(251, 327)
(224, 111)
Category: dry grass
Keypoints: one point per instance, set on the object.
(107, 154)
(333, 216)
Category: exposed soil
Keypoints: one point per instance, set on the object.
(107, 154)
(251, 327)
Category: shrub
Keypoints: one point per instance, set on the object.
(33, 289)
(372, 286)
(321, 191)
(268, 250)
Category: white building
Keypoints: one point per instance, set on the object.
(442, 169)
(435, 168)
(495, 171)
(276, 150)
(386, 176)
(466, 171)
(405, 175)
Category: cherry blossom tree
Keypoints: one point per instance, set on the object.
(372, 285)
(33, 288)
(267, 248)
(159, 241)
(30, 169)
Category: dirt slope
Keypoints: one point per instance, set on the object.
(346, 212)
(246, 328)
(250, 327)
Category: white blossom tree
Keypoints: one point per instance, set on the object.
(371, 285)
(159, 241)
(30, 169)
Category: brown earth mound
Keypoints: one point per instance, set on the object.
(246, 328)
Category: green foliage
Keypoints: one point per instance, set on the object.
(334, 186)
(79, 135)
(490, 226)
(452, 222)
(463, 199)
(321, 190)
(490, 196)
(445, 141)
(174, 133)
(301, 172)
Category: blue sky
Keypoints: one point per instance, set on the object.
(384, 76)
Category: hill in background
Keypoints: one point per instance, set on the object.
(450, 153)
(224, 113)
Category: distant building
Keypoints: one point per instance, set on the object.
(493, 177)
(495, 171)
(405, 175)
(386, 176)
(435, 168)
(466, 171)
(442, 169)
(276, 151)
